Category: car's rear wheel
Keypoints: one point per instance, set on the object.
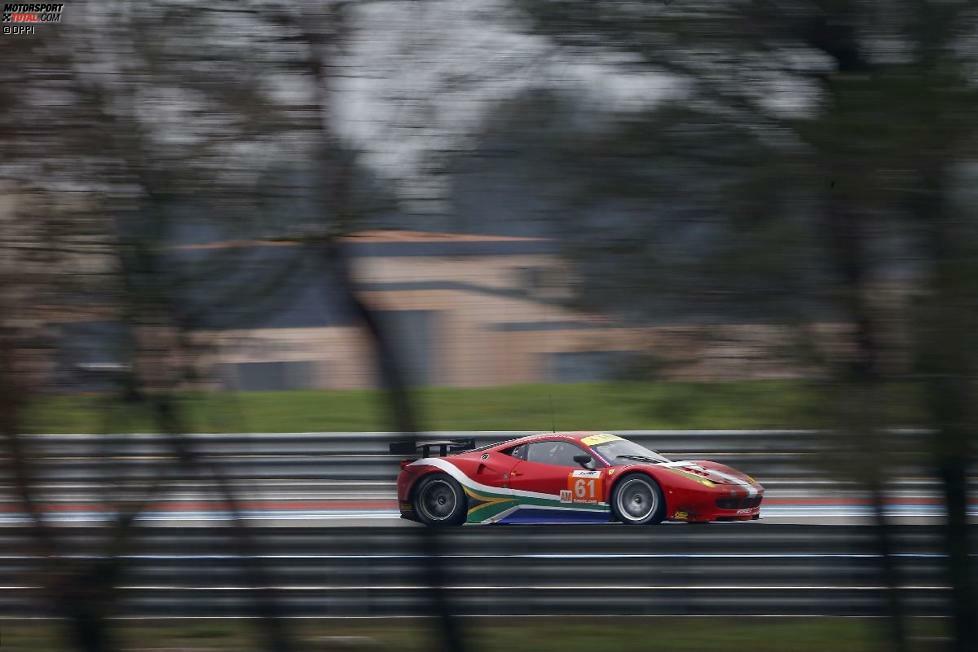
(637, 500)
(440, 501)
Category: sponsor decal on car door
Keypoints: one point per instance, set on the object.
(583, 487)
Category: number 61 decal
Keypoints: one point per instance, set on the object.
(583, 487)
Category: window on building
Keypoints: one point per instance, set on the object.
(270, 376)
(586, 366)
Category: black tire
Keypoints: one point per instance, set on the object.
(638, 500)
(439, 501)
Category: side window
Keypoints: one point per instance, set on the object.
(518, 452)
(558, 453)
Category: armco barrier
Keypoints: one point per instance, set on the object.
(357, 456)
(718, 569)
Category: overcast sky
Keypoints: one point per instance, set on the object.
(424, 75)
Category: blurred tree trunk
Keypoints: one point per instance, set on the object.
(861, 386)
(947, 326)
(79, 591)
(849, 172)
(946, 340)
(147, 300)
(861, 377)
(405, 422)
(337, 170)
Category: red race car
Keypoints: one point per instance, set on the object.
(567, 477)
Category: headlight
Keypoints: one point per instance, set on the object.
(692, 476)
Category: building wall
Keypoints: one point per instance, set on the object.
(485, 325)
(461, 301)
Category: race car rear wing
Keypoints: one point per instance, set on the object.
(424, 448)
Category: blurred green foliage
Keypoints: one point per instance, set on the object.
(585, 406)
(514, 635)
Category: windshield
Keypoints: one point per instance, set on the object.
(622, 451)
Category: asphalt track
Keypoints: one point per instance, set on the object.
(344, 479)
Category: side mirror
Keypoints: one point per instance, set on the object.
(583, 460)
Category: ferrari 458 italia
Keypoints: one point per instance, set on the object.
(567, 477)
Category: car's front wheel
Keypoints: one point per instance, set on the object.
(637, 500)
(439, 501)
